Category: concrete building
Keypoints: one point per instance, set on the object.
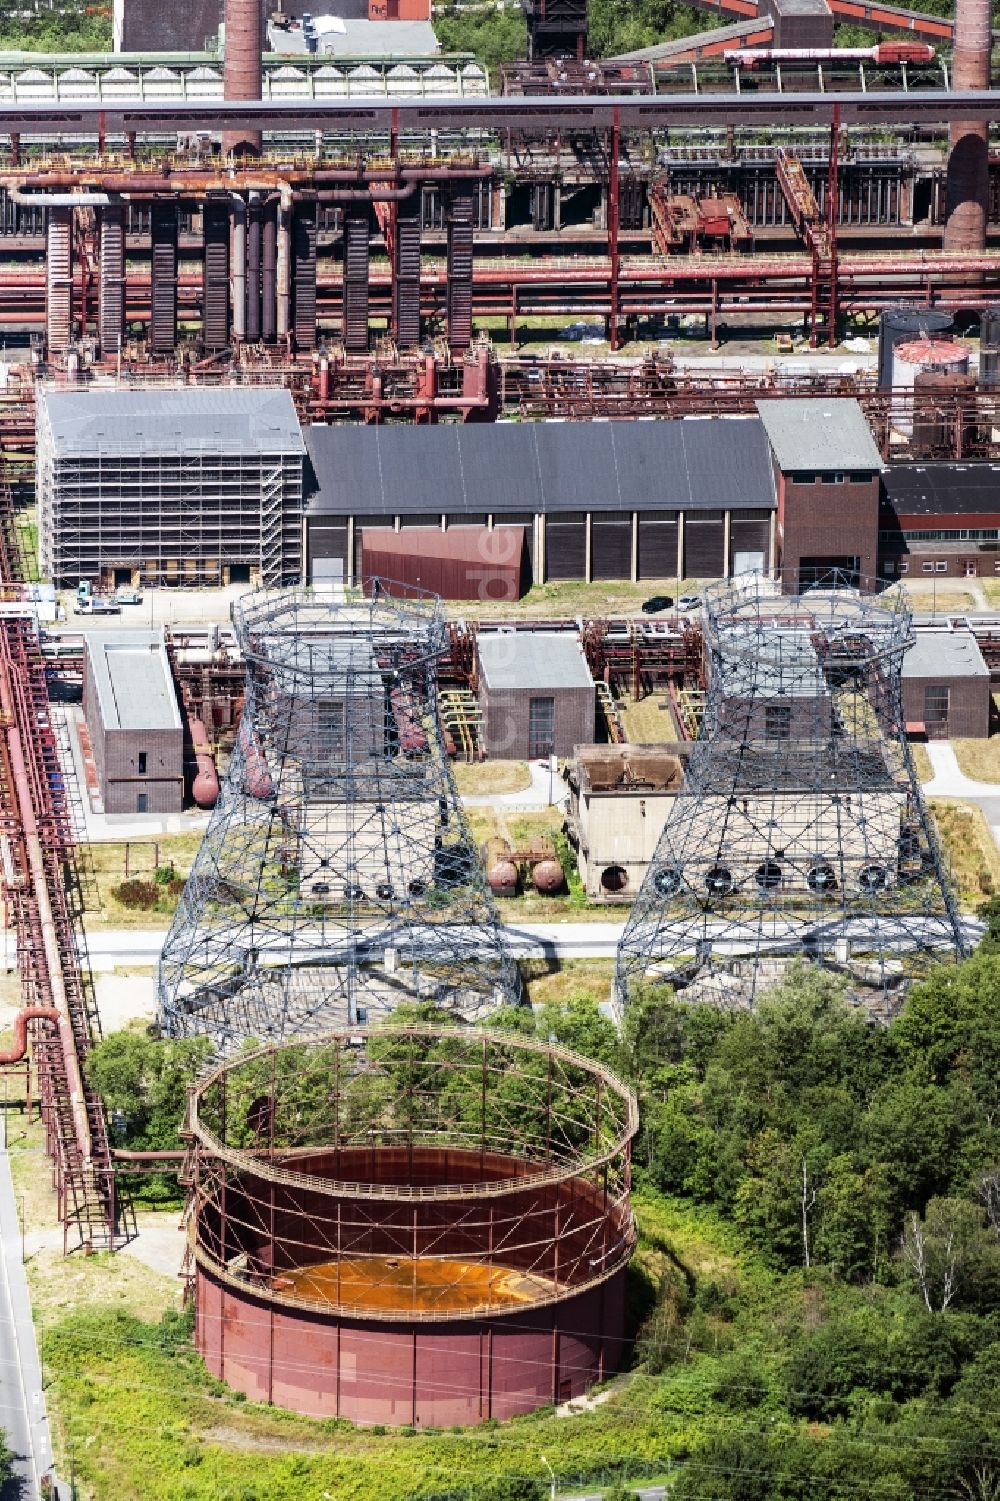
(946, 685)
(162, 486)
(134, 720)
(827, 470)
(536, 694)
(619, 798)
(664, 499)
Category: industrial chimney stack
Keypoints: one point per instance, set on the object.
(243, 69)
(968, 159)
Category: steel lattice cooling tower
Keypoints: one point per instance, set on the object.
(417, 1226)
(800, 828)
(337, 876)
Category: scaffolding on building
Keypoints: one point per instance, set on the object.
(165, 508)
(800, 828)
(338, 877)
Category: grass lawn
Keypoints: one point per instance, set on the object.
(970, 847)
(489, 778)
(979, 759)
(570, 598)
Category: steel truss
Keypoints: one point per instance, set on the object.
(337, 876)
(353, 1153)
(800, 828)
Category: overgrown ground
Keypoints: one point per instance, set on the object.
(571, 598)
(172, 855)
(979, 759)
(970, 847)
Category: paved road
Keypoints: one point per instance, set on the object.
(22, 1401)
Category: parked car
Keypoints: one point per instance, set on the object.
(689, 602)
(656, 603)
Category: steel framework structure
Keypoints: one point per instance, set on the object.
(322, 1173)
(800, 828)
(337, 876)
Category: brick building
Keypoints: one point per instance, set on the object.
(134, 720)
(536, 694)
(827, 473)
(946, 685)
(940, 520)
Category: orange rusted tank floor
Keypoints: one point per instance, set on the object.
(372, 1284)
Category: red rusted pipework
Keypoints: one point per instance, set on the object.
(17, 1051)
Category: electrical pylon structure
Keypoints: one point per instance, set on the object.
(800, 829)
(337, 876)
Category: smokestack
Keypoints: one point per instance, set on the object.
(968, 159)
(243, 70)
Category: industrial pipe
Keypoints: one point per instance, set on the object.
(58, 200)
(50, 940)
(238, 236)
(17, 1051)
(283, 266)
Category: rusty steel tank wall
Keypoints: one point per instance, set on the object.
(215, 273)
(968, 162)
(411, 1225)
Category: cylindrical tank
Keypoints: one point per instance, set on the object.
(938, 398)
(967, 188)
(242, 75)
(919, 357)
(989, 349)
(205, 787)
(548, 877)
(899, 325)
(502, 878)
(386, 1264)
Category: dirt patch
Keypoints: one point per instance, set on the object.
(260, 1443)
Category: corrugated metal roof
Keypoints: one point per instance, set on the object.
(525, 660)
(669, 464)
(151, 419)
(135, 688)
(945, 654)
(819, 433)
(943, 489)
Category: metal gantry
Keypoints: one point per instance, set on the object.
(337, 877)
(800, 829)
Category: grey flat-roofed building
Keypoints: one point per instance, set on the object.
(536, 693)
(599, 500)
(819, 434)
(946, 684)
(170, 486)
(134, 721)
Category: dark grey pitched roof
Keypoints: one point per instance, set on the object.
(690, 464)
(157, 419)
(943, 489)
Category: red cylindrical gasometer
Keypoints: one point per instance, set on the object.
(411, 1225)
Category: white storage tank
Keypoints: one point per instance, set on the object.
(920, 357)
